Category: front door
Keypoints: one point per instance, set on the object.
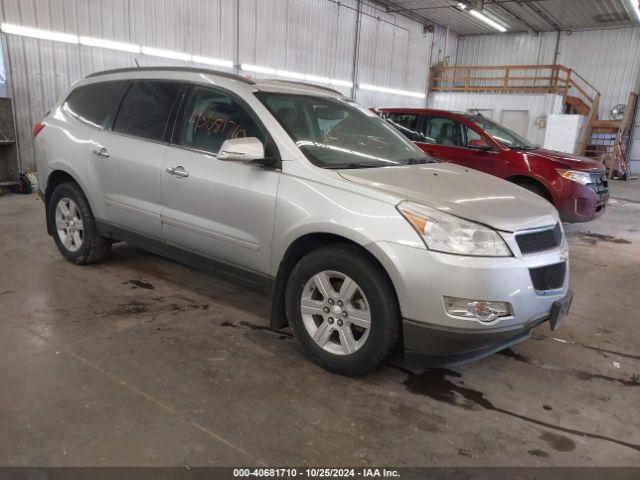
(448, 140)
(220, 209)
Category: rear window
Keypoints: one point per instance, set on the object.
(95, 104)
(145, 109)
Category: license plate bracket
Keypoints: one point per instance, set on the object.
(560, 310)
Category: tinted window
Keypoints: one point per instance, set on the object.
(213, 117)
(145, 109)
(95, 104)
(443, 131)
(407, 123)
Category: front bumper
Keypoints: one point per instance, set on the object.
(583, 203)
(436, 346)
(422, 278)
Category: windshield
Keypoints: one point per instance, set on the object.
(501, 134)
(339, 133)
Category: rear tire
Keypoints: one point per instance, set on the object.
(355, 326)
(74, 226)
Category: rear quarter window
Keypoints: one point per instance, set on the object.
(95, 104)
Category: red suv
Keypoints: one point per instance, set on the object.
(576, 186)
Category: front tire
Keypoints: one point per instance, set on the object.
(74, 227)
(537, 189)
(342, 309)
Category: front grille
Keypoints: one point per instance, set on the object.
(540, 240)
(549, 277)
(599, 183)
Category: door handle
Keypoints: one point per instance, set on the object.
(178, 171)
(101, 152)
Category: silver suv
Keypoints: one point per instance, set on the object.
(364, 243)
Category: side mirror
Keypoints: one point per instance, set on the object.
(242, 150)
(479, 144)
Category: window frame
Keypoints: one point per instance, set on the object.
(181, 116)
(166, 134)
(115, 108)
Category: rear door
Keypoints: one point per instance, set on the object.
(449, 140)
(223, 210)
(128, 158)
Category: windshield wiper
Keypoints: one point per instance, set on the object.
(419, 161)
(350, 166)
(523, 147)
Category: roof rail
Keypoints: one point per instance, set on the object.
(174, 69)
(305, 84)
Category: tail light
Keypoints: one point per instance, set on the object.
(37, 129)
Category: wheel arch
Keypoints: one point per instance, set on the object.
(296, 250)
(525, 179)
(57, 177)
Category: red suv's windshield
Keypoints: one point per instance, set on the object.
(501, 134)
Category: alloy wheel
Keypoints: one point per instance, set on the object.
(335, 312)
(69, 224)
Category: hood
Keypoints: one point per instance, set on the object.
(567, 160)
(462, 192)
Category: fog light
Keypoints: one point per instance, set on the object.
(483, 310)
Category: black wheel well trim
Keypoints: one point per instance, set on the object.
(532, 181)
(55, 178)
(300, 247)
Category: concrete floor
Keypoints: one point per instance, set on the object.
(140, 361)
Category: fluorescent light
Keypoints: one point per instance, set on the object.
(341, 83)
(288, 74)
(111, 45)
(212, 61)
(257, 69)
(636, 8)
(157, 52)
(391, 91)
(482, 17)
(37, 33)
(314, 79)
(462, 6)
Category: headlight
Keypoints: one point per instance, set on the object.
(442, 232)
(575, 176)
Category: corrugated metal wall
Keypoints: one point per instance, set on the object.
(511, 49)
(309, 36)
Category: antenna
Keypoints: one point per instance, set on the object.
(478, 114)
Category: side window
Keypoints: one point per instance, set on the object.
(145, 109)
(212, 117)
(443, 131)
(95, 104)
(407, 124)
(472, 138)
